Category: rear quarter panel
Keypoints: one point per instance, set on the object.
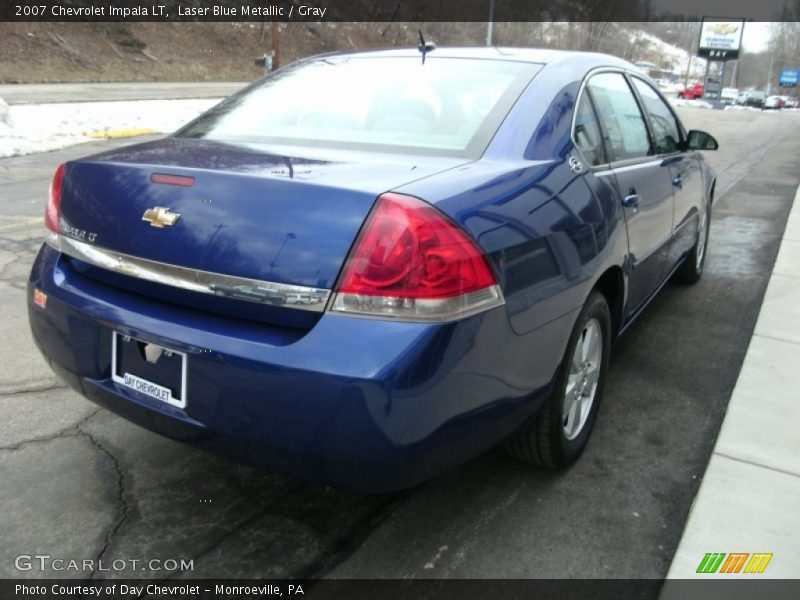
(550, 232)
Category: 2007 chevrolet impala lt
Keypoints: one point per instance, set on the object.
(366, 268)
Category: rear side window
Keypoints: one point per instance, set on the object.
(447, 106)
(665, 127)
(619, 112)
(587, 133)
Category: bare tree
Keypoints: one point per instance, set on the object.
(783, 50)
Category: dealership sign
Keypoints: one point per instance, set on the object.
(789, 77)
(720, 40)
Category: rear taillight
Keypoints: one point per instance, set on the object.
(52, 212)
(412, 262)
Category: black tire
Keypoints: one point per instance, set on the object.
(543, 441)
(691, 271)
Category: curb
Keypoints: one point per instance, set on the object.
(107, 134)
(746, 506)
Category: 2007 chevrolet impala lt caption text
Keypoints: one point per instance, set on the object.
(367, 268)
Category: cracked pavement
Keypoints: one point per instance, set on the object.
(79, 482)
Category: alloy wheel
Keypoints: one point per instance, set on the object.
(584, 373)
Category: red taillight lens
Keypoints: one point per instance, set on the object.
(52, 212)
(412, 261)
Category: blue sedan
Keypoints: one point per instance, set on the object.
(367, 268)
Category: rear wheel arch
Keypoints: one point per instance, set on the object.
(560, 429)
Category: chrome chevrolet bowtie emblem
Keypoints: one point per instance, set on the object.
(160, 217)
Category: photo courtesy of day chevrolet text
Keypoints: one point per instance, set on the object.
(123, 590)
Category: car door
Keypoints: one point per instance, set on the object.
(643, 182)
(684, 167)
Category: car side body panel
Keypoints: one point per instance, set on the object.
(687, 171)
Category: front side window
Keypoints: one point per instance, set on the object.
(447, 106)
(587, 133)
(619, 113)
(665, 128)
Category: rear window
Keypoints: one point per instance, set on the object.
(448, 106)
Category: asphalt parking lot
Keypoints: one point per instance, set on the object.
(79, 482)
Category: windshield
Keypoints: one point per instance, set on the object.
(448, 106)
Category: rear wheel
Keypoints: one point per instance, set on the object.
(559, 432)
(692, 268)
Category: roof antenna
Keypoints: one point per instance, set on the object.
(424, 47)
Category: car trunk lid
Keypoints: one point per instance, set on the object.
(243, 213)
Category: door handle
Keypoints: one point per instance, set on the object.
(631, 200)
(678, 182)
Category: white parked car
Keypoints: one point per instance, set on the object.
(774, 102)
(729, 95)
(754, 98)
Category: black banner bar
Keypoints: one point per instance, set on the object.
(712, 588)
(390, 10)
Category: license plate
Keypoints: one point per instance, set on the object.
(150, 369)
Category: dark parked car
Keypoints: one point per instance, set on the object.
(472, 232)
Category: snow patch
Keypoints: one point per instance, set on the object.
(676, 56)
(30, 128)
(694, 103)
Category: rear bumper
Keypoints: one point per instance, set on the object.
(366, 404)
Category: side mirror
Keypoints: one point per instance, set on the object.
(700, 140)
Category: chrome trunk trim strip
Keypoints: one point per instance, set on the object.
(241, 288)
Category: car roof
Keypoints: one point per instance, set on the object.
(542, 56)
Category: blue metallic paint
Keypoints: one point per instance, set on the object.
(368, 404)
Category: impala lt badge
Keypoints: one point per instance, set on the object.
(160, 217)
